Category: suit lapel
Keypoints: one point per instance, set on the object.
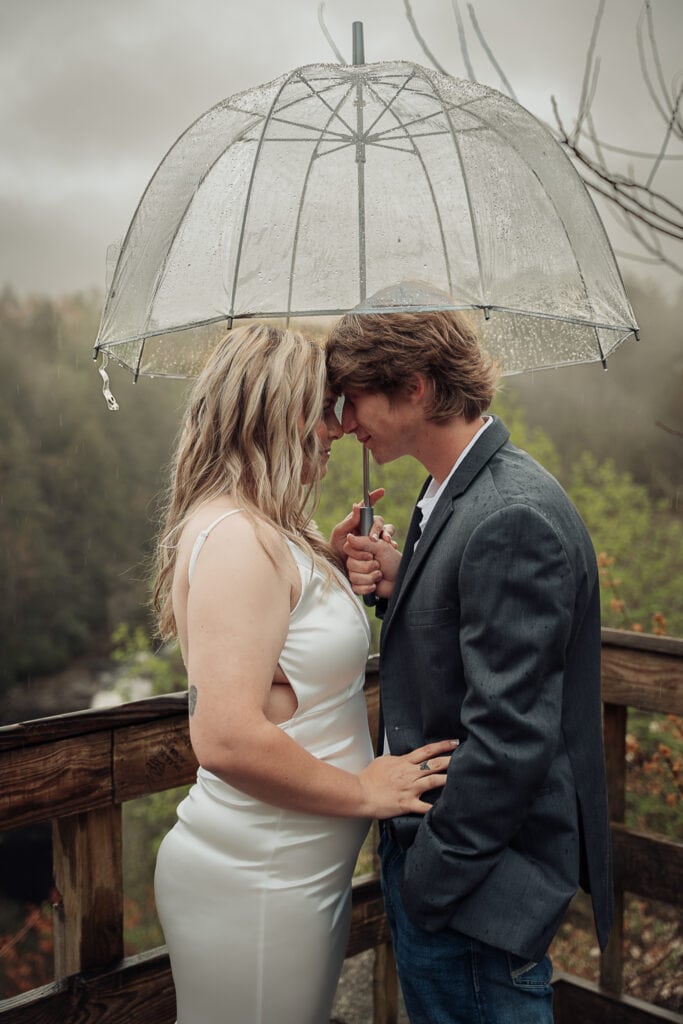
(493, 438)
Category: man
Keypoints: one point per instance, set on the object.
(491, 635)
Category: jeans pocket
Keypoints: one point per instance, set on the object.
(529, 974)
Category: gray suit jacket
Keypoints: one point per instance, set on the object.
(492, 636)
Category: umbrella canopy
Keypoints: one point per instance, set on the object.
(301, 197)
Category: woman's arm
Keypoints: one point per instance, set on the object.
(237, 620)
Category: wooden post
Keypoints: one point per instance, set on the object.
(615, 718)
(87, 853)
(384, 986)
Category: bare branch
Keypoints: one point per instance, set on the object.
(663, 109)
(676, 433)
(418, 35)
(588, 73)
(630, 225)
(638, 154)
(463, 42)
(665, 140)
(489, 52)
(333, 46)
(655, 56)
(627, 191)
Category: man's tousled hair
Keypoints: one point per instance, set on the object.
(383, 352)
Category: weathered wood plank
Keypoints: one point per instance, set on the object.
(384, 986)
(87, 859)
(84, 723)
(152, 757)
(651, 680)
(614, 732)
(580, 1000)
(62, 777)
(649, 866)
(671, 645)
(140, 988)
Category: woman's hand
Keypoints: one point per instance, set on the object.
(372, 564)
(352, 524)
(394, 785)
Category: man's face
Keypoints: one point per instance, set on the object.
(386, 427)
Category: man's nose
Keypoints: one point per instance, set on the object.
(348, 420)
(335, 428)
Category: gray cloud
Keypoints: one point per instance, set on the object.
(92, 94)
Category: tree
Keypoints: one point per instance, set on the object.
(77, 485)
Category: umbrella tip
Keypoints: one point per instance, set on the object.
(358, 46)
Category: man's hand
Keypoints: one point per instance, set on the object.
(352, 525)
(372, 563)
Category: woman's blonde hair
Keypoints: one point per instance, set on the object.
(249, 433)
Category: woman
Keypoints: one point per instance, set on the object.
(253, 881)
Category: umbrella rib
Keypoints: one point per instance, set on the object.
(113, 289)
(335, 149)
(577, 262)
(181, 221)
(324, 102)
(334, 84)
(437, 211)
(295, 244)
(245, 212)
(419, 120)
(386, 105)
(456, 144)
(111, 347)
(307, 127)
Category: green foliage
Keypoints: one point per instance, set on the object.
(654, 773)
(77, 483)
(639, 533)
(632, 412)
(163, 668)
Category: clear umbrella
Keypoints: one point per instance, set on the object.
(301, 197)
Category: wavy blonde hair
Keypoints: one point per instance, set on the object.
(249, 433)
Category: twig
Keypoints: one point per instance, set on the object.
(463, 42)
(645, 72)
(655, 56)
(584, 104)
(418, 35)
(333, 46)
(665, 140)
(489, 53)
(669, 430)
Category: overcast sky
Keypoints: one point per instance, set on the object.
(93, 93)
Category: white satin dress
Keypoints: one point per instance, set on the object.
(255, 900)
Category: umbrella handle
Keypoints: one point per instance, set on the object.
(367, 514)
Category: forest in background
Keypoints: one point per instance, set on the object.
(79, 485)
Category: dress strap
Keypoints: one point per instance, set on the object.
(199, 543)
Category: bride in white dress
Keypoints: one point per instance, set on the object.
(253, 882)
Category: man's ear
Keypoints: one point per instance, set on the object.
(417, 388)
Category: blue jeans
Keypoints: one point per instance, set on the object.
(449, 978)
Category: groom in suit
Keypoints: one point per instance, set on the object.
(491, 635)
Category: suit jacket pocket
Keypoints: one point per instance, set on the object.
(422, 617)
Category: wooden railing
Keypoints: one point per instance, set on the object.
(78, 770)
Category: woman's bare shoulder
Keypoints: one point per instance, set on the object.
(221, 520)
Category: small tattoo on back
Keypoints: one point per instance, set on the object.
(192, 699)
